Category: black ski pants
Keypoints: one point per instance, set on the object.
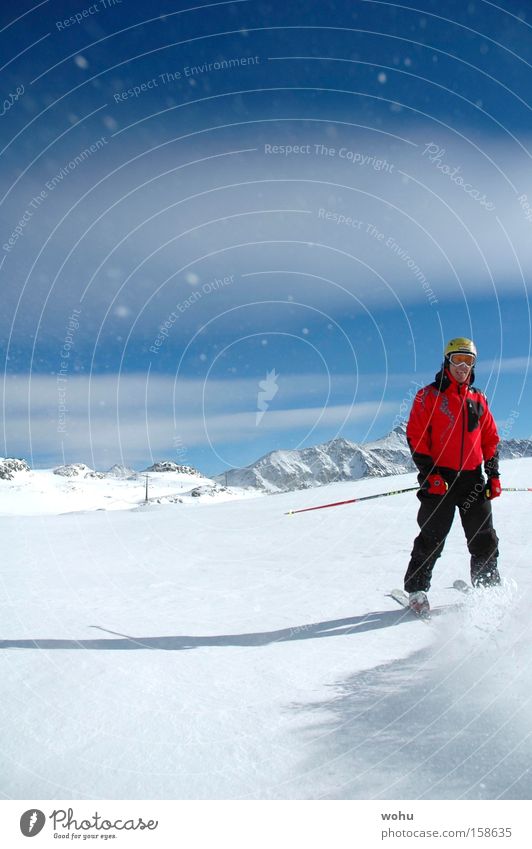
(435, 517)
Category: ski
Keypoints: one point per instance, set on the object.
(401, 598)
(462, 587)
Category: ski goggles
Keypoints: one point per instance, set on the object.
(462, 359)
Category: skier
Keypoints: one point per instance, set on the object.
(450, 432)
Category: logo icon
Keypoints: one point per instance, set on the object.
(32, 822)
(269, 389)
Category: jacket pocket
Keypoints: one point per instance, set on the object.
(474, 412)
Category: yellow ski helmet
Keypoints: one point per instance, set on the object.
(460, 345)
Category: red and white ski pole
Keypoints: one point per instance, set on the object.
(384, 494)
(352, 500)
(517, 489)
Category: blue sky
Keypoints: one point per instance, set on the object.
(246, 226)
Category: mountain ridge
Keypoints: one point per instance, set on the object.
(282, 470)
(340, 460)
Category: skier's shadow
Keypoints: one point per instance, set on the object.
(313, 631)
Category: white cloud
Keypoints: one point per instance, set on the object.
(110, 418)
(130, 390)
(225, 216)
(105, 419)
(508, 365)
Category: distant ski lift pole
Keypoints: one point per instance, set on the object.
(146, 498)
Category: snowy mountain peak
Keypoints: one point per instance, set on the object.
(169, 466)
(515, 448)
(340, 460)
(118, 471)
(336, 460)
(75, 470)
(10, 465)
(339, 443)
(400, 429)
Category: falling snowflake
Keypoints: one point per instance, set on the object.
(110, 123)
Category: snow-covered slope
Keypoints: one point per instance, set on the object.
(237, 652)
(76, 487)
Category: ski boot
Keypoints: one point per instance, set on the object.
(485, 574)
(419, 603)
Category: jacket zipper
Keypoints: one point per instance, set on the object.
(463, 427)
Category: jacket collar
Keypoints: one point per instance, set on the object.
(444, 379)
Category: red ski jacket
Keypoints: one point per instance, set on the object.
(451, 426)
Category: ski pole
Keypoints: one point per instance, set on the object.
(384, 494)
(517, 489)
(352, 500)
